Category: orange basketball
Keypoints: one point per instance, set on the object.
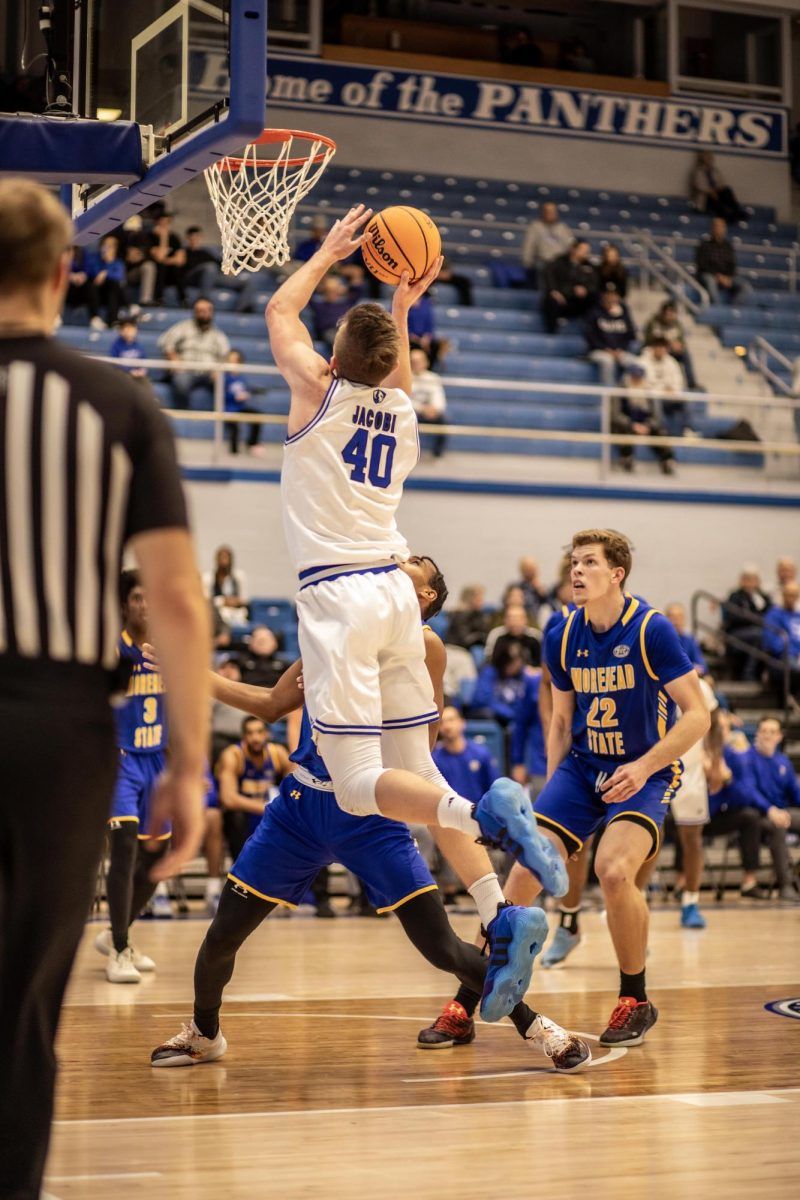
(400, 239)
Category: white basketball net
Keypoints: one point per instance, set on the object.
(254, 199)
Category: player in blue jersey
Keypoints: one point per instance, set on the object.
(142, 739)
(304, 830)
(614, 747)
(248, 773)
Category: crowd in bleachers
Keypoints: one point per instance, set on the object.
(496, 694)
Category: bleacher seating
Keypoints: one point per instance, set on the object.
(500, 338)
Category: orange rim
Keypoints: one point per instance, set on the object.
(268, 137)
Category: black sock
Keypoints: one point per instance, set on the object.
(523, 1017)
(238, 915)
(468, 999)
(633, 985)
(569, 920)
(119, 881)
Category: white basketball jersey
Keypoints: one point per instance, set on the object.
(343, 475)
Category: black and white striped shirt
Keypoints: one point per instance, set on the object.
(87, 461)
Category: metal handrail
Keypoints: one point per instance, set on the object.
(730, 639)
(671, 264)
(759, 352)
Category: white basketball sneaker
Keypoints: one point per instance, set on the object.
(188, 1048)
(120, 968)
(105, 944)
(567, 1051)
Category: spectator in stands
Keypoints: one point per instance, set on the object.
(140, 268)
(785, 572)
(108, 280)
(309, 246)
(639, 414)
(781, 635)
(329, 305)
(470, 622)
(226, 587)
(80, 289)
(570, 285)
(428, 397)
(747, 601)
(611, 273)
(462, 283)
(422, 331)
(534, 594)
(226, 722)
(518, 48)
(546, 238)
(263, 665)
(575, 56)
(663, 374)
(220, 632)
(169, 256)
(500, 684)
(736, 804)
(468, 766)
(778, 785)
(195, 340)
(127, 347)
(201, 268)
(527, 751)
(665, 324)
(715, 263)
(611, 337)
(709, 191)
(676, 615)
(237, 400)
(515, 631)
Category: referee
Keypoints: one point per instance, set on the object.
(87, 466)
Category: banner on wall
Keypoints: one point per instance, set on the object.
(317, 85)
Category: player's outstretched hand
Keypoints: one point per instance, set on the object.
(178, 800)
(626, 781)
(346, 234)
(150, 657)
(407, 293)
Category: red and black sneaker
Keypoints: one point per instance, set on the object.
(629, 1022)
(451, 1028)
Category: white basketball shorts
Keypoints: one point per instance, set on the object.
(689, 805)
(363, 652)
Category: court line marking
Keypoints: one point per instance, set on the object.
(360, 1110)
(614, 1053)
(117, 1175)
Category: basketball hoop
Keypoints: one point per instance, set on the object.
(254, 198)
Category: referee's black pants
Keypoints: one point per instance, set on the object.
(57, 768)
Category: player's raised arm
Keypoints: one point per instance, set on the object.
(269, 704)
(405, 296)
(306, 372)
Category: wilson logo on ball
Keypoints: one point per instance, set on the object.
(379, 246)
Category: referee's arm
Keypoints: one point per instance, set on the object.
(178, 619)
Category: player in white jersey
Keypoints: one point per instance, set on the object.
(352, 441)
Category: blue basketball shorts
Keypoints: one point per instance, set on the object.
(136, 779)
(572, 805)
(304, 830)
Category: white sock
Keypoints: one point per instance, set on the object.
(454, 812)
(487, 894)
(162, 890)
(690, 898)
(213, 887)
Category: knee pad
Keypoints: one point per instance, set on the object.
(355, 766)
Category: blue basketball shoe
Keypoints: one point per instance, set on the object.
(515, 936)
(507, 822)
(561, 946)
(691, 917)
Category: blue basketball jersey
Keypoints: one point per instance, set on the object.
(141, 719)
(558, 617)
(306, 755)
(619, 678)
(256, 779)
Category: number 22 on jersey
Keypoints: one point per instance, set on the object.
(371, 457)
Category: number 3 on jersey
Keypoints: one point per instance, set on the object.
(370, 456)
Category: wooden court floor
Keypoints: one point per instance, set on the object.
(324, 1094)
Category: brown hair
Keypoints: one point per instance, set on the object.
(367, 345)
(34, 232)
(616, 547)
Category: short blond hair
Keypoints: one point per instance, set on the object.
(616, 547)
(35, 230)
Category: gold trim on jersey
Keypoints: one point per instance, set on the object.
(631, 609)
(643, 647)
(126, 637)
(261, 896)
(641, 817)
(431, 887)
(661, 720)
(541, 819)
(147, 837)
(564, 637)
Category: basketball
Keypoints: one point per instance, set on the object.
(400, 239)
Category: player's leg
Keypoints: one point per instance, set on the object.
(691, 839)
(427, 927)
(623, 847)
(568, 935)
(144, 886)
(123, 851)
(214, 851)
